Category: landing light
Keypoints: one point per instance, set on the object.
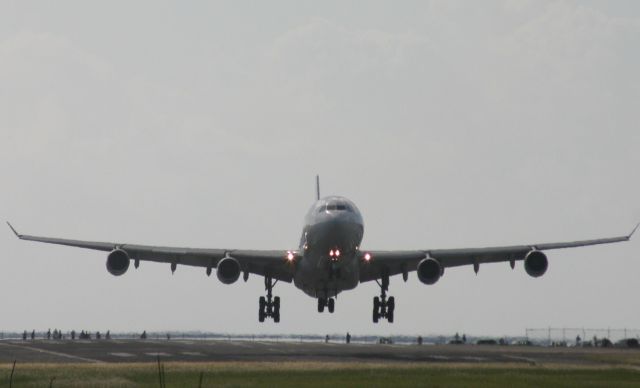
(331, 253)
(290, 256)
(337, 253)
(367, 257)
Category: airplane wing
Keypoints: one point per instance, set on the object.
(390, 263)
(271, 263)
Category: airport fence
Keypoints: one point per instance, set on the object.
(579, 336)
(211, 336)
(548, 336)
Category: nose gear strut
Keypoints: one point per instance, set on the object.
(269, 306)
(383, 307)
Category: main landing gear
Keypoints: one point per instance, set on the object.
(330, 303)
(269, 306)
(383, 307)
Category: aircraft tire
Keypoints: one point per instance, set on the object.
(321, 304)
(276, 304)
(332, 305)
(261, 309)
(376, 309)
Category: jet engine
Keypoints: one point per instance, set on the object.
(118, 262)
(228, 270)
(536, 263)
(429, 270)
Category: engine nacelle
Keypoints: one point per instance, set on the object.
(429, 270)
(118, 262)
(536, 263)
(228, 270)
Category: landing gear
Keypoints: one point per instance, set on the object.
(383, 307)
(330, 303)
(262, 309)
(269, 306)
(376, 309)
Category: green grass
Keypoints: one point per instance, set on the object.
(317, 374)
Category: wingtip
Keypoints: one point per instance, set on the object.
(633, 231)
(13, 230)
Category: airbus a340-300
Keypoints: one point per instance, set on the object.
(329, 259)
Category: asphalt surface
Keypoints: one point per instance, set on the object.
(114, 351)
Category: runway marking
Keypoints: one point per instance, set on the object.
(525, 359)
(474, 358)
(156, 354)
(192, 354)
(122, 354)
(59, 354)
(242, 345)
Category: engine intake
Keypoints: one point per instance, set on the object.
(536, 263)
(118, 262)
(228, 270)
(429, 270)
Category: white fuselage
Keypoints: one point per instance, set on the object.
(329, 246)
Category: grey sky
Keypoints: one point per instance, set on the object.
(449, 123)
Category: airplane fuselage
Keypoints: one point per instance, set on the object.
(329, 245)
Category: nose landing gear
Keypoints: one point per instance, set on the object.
(383, 307)
(269, 306)
(330, 303)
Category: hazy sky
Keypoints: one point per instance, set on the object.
(203, 124)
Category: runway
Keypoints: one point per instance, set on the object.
(121, 351)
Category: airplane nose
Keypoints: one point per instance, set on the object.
(337, 233)
(338, 229)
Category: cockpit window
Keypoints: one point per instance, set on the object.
(336, 206)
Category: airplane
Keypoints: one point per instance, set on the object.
(328, 260)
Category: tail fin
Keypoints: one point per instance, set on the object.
(317, 187)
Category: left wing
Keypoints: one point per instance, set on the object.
(271, 263)
(388, 263)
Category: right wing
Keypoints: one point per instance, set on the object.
(268, 263)
(388, 263)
